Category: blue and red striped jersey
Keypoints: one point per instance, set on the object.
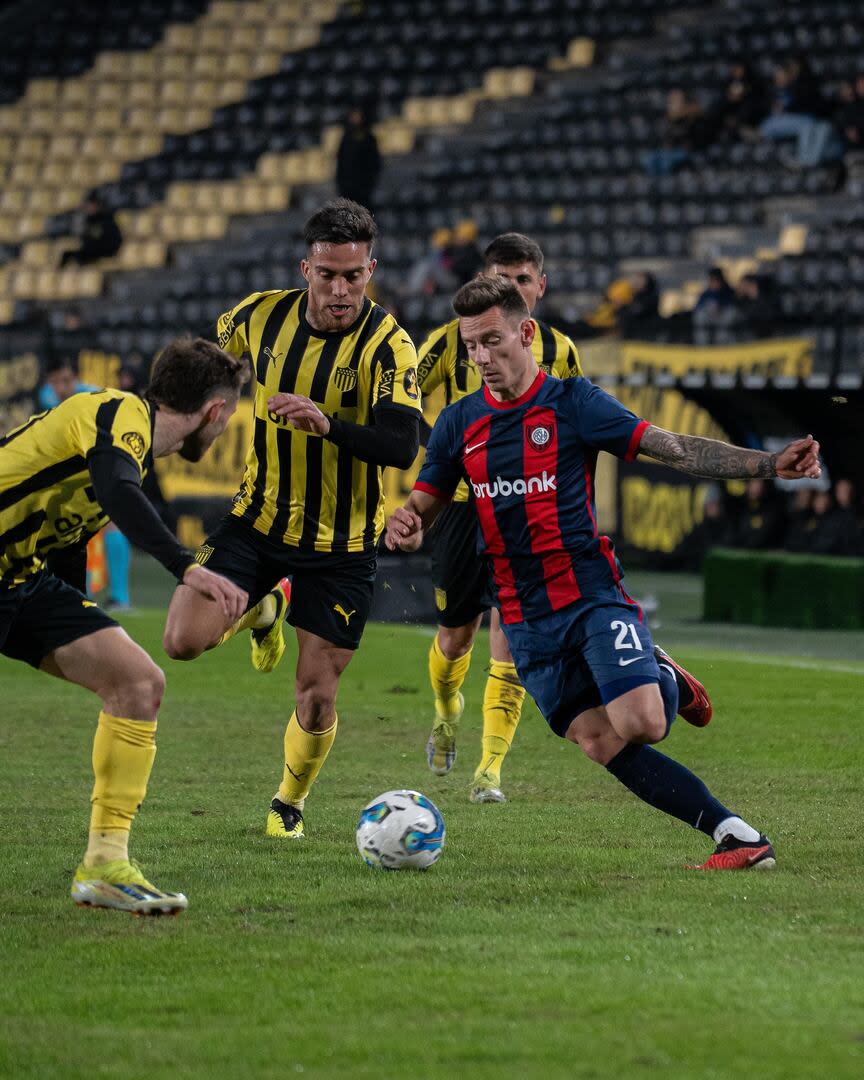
(530, 464)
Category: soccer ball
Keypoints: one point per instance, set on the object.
(400, 830)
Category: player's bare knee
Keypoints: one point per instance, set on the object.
(455, 643)
(138, 694)
(650, 727)
(600, 748)
(316, 705)
(179, 644)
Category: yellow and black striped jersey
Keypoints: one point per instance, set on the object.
(298, 488)
(46, 497)
(443, 359)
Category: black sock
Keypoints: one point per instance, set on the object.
(668, 786)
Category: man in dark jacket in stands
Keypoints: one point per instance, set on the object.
(100, 234)
(358, 162)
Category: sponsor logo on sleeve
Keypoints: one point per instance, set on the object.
(135, 441)
(409, 382)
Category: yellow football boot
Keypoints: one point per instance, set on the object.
(284, 821)
(268, 643)
(122, 886)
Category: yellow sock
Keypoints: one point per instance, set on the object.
(123, 753)
(502, 709)
(447, 677)
(305, 753)
(255, 618)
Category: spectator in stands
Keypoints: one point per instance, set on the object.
(846, 523)
(798, 112)
(99, 231)
(641, 314)
(817, 530)
(685, 129)
(716, 304)
(604, 318)
(432, 273)
(743, 103)
(358, 161)
(466, 258)
(61, 382)
(756, 305)
(760, 520)
(850, 116)
(714, 530)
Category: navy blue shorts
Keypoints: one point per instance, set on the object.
(586, 655)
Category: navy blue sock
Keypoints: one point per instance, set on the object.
(668, 786)
(669, 693)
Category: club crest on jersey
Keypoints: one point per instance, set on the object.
(203, 554)
(345, 378)
(539, 435)
(135, 442)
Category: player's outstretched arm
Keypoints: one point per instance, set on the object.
(710, 457)
(405, 527)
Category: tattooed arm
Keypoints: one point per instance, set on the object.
(709, 457)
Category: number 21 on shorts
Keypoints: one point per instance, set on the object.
(626, 631)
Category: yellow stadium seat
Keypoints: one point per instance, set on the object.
(203, 92)
(182, 38)
(214, 226)
(42, 200)
(95, 146)
(173, 92)
(12, 200)
(31, 147)
(265, 63)
(37, 254)
(193, 120)
(142, 119)
(72, 120)
(23, 173)
(109, 92)
(75, 92)
(43, 91)
(237, 65)
(110, 63)
(141, 91)
(172, 66)
(142, 65)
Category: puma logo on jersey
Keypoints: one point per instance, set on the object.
(271, 356)
(346, 615)
(89, 603)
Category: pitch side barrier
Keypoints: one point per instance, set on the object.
(774, 588)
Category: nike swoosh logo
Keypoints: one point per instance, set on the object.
(476, 446)
(624, 663)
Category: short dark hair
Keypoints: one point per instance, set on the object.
(485, 292)
(511, 248)
(340, 221)
(189, 371)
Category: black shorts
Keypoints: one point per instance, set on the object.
(463, 586)
(331, 594)
(44, 613)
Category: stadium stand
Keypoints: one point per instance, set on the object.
(495, 117)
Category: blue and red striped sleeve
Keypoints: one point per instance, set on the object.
(442, 467)
(602, 420)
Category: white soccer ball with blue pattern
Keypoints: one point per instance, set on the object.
(400, 830)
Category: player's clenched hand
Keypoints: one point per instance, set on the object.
(232, 601)
(404, 531)
(301, 412)
(799, 459)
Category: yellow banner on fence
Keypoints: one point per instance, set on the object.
(784, 356)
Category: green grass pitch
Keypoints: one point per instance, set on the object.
(558, 936)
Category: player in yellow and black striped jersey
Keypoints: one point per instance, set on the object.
(336, 401)
(63, 474)
(460, 576)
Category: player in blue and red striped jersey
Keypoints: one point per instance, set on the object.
(527, 445)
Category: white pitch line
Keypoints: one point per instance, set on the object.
(772, 661)
(731, 657)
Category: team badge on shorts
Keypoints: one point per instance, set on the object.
(539, 435)
(203, 553)
(440, 599)
(135, 442)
